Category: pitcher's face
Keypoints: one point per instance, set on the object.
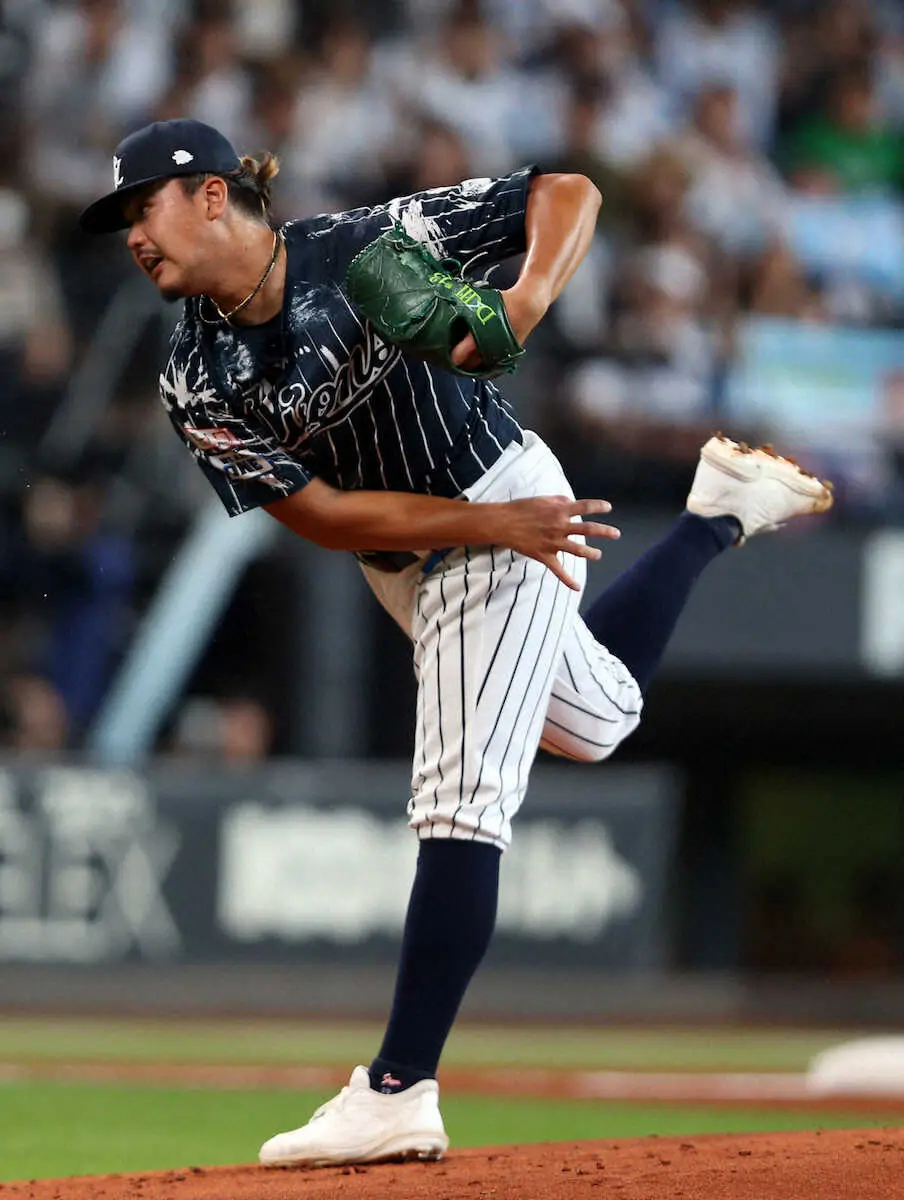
(169, 236)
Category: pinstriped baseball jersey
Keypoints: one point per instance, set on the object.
(315, 391)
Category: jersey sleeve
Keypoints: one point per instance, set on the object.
(480, 222)
(241, 459)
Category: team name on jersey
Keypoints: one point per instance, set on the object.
(305, 413)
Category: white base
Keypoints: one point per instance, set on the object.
(867, 1066)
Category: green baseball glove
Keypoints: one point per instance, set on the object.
(426, 306)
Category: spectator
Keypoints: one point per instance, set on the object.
(69, 583)
(437, 158)
(33, 717)
(234, 730)
(272, 126)
(659, 396)
(35, 339)
(647, 399)
(247, 730)
(736, 197)
(780, 288)
(657, 194)
(817, 46)
(267, 28)
(848, 142)
(344, 121)
(849, 235)
(702, 42)
(599, 60)
(890, 80)
(211, 83)
(580, 151)
(579, 318)
(96, 73)
(466, 83)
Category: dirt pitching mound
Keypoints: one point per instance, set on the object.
(860, 1164)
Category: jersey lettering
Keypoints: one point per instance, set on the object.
(305, 415)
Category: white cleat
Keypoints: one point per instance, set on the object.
(759, 487)
(361, 1126)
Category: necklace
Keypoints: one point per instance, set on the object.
(227, 316)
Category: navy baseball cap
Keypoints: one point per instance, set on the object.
(159, 151)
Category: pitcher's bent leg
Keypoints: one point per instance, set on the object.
(595, 701)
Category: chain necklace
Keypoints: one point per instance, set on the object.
(227, 316)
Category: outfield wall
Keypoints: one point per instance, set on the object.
(309, 864)
(283, 889)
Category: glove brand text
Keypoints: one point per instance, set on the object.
(466, 294)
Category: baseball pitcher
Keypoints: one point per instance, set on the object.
(339, 371)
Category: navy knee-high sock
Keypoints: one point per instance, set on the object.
(450, 921)
(636, 615)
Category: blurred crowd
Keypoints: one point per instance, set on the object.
(750, 156)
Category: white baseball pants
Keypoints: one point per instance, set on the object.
(504, 664)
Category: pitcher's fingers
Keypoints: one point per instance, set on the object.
(466, 352)
(552, 561)
(595, 529)
(581, 549)
(584, 507)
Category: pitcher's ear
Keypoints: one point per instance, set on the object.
(215, 194)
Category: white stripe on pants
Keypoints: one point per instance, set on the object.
(502, 659)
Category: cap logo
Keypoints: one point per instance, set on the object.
(182, 157)
(117, 172)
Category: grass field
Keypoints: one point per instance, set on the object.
(53, 1127)
(24, 1039)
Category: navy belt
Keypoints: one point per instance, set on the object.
(394, 561)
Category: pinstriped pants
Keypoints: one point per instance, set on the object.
(504, 664)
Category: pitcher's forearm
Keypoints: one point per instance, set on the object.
(559, 224)
(376, 520)
(540, 527)
(400, 521)
(561, 218)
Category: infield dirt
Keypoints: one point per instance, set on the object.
(855, 1165)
